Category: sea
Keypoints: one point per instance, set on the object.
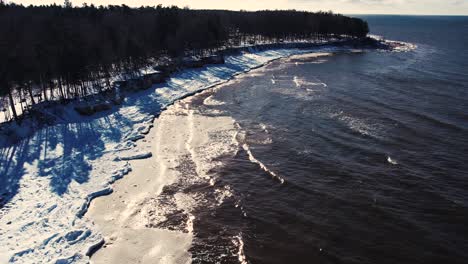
(348, 157)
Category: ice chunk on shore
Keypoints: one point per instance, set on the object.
(141, 155)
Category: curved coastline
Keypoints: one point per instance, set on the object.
(173, 238)
(143, 128)
(179, 242)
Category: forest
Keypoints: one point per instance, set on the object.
(62, 52)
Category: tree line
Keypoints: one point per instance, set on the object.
(63, 52)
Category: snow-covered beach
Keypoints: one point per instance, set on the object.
(133, 218)
(49, 179)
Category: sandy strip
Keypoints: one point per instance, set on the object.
(121, 217)
(127, 218)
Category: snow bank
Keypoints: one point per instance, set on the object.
(48, 179)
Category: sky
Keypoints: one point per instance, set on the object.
(416, 7)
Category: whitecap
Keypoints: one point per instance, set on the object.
(296, 81)
(261, 165)
(239, 243)
(392, 161)
(212, 102)
(299, 82)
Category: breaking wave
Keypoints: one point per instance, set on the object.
(252, 158)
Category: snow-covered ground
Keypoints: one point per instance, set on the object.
(48, 180)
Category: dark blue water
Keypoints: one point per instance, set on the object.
(373, 148)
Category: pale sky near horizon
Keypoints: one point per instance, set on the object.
(416, 7)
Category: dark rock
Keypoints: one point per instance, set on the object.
(102, 107)
(155, 78)
(215, 59)
(88, 110)
(117, 100)
(121, 84)
(192, 63)
(84, 110)
(167, 69)
(137, 84)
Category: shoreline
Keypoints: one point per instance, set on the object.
(67, 235)
(99, 208)
(132, 218)
(104, 210)
(109, 168)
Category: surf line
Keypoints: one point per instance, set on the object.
(300, 82)
(261, 165)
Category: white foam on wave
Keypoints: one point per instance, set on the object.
(361, 126)
(261, 165)
(400, 46)
(239, 243)
(190, 223)
(210, 139)
(264, 127)
(318, 84)
(391, 161)
(397, 46)
(222, 194)
(212, 102)
(318, 61)
(261, 135)
(300, 82)
(296, 81)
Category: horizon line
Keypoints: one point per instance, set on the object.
(277, 9)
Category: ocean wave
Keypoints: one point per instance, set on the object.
(397, 46)
(392, 161)
(300, 82)
(252, 158)
(264, 128)
(212, 102)
(359, 125)
(239, 243)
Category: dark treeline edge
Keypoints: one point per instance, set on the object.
(62, 52)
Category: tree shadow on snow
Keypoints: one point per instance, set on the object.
(64, 151)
